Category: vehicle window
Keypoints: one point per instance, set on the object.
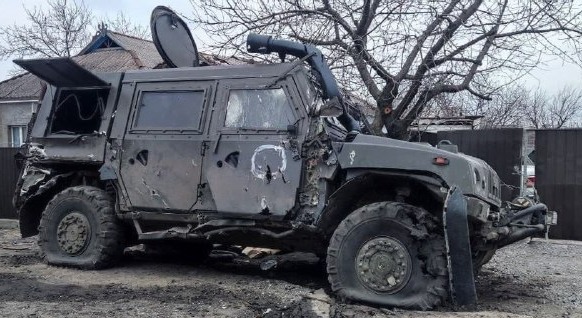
(258, 108)
(79, 111)
(170, 109)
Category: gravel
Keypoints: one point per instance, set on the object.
(537, 279)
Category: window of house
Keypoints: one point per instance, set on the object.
(258, 108)
(167, 110)
(17, 135)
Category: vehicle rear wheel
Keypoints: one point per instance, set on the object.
(79, 228)
(391, 254)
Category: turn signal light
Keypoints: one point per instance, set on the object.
(440, 161)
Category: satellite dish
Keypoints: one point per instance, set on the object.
(172, 38)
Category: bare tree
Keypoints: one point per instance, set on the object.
(59, 30)
(406, 53)
(505, 109)
(558, 111)
(63, 28)
(121, 23)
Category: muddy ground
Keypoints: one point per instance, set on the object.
(540, 279)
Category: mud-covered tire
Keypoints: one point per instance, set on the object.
(422, 275)
(79, 228)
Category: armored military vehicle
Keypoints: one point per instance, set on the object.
(255, 155)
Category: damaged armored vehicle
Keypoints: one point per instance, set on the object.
(255, 155)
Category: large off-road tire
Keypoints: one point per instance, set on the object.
(390, 254)
(79, 228)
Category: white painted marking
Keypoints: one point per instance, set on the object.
(352, 157)
(261, 172)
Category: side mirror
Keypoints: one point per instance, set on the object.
(332, 108)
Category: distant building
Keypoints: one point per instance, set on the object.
(434, 124)
(426, 128)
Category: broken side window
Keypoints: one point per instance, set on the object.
(258, 108)
(162, 110)
(78, 111)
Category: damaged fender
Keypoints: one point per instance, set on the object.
(459, 257)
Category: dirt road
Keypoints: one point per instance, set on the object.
(541, 279)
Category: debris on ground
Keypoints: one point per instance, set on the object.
(540, 279)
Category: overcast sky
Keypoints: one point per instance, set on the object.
(551, 76)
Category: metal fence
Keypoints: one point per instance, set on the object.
(8, 178)
(500, 148)
(559, 178)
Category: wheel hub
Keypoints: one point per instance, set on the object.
(384, 264)
(73, 233)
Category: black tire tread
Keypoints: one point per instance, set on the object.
(422, 226)
(110, 243)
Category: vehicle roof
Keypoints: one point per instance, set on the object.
(210, 72)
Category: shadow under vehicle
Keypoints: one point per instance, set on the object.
(255, 155)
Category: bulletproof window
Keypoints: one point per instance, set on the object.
(78, 111)
(258, 108)
(170, 110)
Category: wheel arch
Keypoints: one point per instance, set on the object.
(33, 202)
(369, 186)
(95, 236)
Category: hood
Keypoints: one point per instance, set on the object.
(472, 175)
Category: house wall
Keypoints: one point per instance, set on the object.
(14, 113)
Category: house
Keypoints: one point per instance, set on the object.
(108, 51)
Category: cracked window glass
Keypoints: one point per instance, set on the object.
(258, 108)
(170, 109)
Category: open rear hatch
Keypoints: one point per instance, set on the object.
(61, 72)
(73, 119)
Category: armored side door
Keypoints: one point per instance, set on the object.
(161, 151)
(253, 164)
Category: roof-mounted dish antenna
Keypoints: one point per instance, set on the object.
(173, 38)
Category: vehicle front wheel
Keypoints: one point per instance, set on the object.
(390, 254)
(79, 228)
